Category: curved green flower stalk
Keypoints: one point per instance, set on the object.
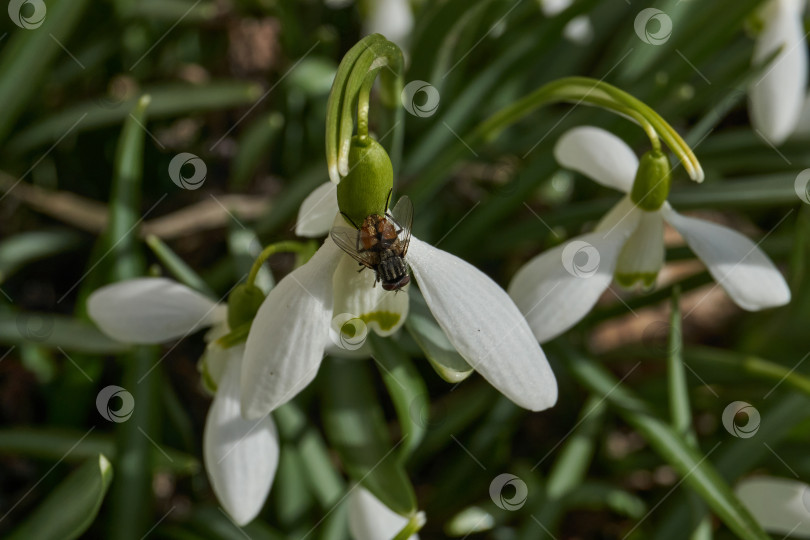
(601, 94)
(352, 87)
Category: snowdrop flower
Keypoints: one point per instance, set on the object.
(370, 519)
(558, 287)
(780, 505)
(292, 328)
(778, 96)
(240, 455)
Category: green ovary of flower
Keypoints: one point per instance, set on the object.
(364, 191)
(651, 186)
(647, 279)
(385, 319)
(243, 303)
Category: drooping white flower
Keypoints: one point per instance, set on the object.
(780, 505)
(291, 330)
(241, 456)
(370, 519)
(557, 288)
(777, 97)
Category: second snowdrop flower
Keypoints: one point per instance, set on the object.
(556, 289)
(241, 456)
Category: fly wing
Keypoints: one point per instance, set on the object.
(402, 215)
(346, 239)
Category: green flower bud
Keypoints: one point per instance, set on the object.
(364, 191)
(243, 303)
(651, 186)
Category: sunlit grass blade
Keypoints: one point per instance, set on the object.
(695, 469)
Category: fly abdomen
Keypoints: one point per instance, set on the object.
(391, 266)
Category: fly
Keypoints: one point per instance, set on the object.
(381, 243)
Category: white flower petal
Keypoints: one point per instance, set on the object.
(318, 211)
(370, 519)
(642, 256)
(241, 456)
(151, 310)
(776, 98)
(598, 154)
(557, 288)
(287, 338)
(736, 263)
(579, 30)
(780, 505)
(484, 326)
(355, 293)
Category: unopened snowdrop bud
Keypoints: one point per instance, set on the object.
(364, 191)
(651, 186)
(243, 303)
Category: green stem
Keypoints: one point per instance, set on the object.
(363, 99)
(599, 93)
(679, 409)
(414, 525)
(353, 81)
(288, 246)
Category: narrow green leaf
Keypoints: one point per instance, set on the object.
(695, 469)
(356, 429)
(323, 479)
(132, 493)
(255, 144)
(72, 506)
(569, 469)
(406, 388)
(53, 444)
(29, 53)
(177, 266)
(168, 101)
(51, 330)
